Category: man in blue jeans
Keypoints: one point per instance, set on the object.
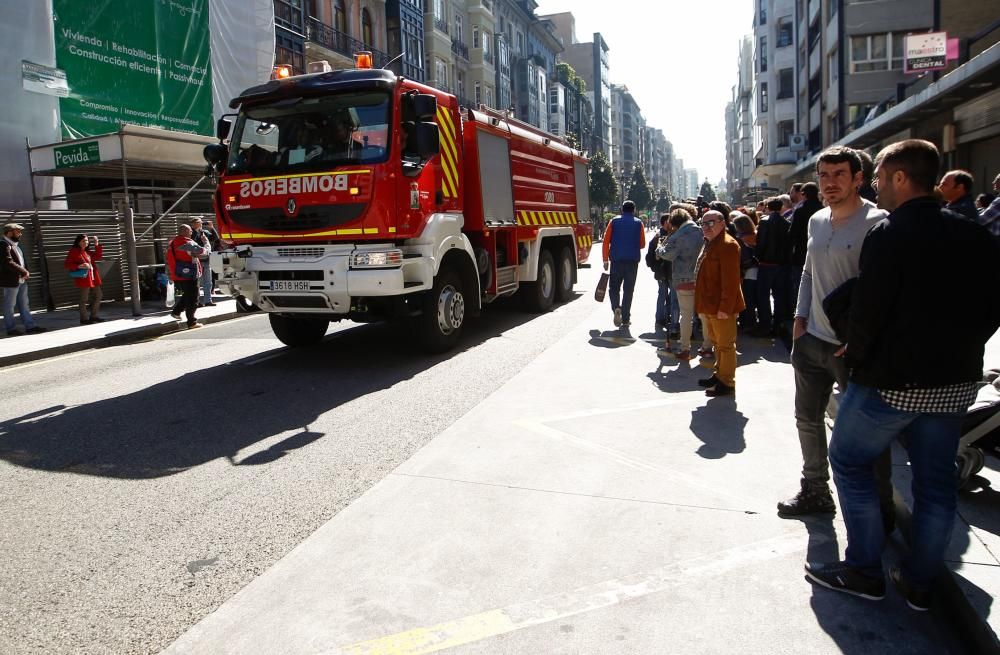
(919, 251)
(623, 243)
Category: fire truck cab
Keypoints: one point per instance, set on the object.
(359, 194)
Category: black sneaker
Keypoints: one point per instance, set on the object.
(838, 576)
(708, 382)
(720, 390)
(36, 330)
(808, 500)
(917, 599)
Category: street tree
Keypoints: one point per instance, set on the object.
(603, 187)
(640, 192)
(663, 200)
(707, 193)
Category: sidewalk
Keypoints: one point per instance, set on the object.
(596, 503)
(65, 334)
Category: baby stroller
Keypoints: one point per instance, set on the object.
(980, 430)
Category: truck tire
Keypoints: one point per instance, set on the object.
(439, 326)
(298, 331)
(539, 296)
(564, 274)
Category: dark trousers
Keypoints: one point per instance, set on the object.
(188, 302)
(623, 272)
(772, 281)
(748, 317)
(816, 370)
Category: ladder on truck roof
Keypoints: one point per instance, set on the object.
(507, 117)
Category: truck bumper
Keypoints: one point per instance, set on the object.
(314, 280)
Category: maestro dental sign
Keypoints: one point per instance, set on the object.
(143, 62)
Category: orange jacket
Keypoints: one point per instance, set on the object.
(719, 284)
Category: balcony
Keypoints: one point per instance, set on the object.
(335, 40)
(460, 49)
(441, 25)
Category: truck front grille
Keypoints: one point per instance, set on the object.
(310, 252)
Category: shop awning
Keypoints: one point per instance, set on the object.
(139, 152)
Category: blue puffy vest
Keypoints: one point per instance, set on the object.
(626, 234)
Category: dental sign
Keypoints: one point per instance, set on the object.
(288, 185)
(925, 52)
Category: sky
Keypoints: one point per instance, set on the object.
(678, 58)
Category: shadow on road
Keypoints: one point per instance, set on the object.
(719, 425)
(169, 427)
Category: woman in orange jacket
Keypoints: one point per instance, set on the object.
(80, 264)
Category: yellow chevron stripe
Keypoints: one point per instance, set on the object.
(449, 153)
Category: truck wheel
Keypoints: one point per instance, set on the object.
(540, 295)
(298, 331)
(440, 324)
(564, 274)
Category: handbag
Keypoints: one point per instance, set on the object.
(602, 287)
(78, 273)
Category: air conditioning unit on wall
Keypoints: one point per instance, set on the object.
(797, 142)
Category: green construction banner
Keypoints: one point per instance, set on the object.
(142, 62)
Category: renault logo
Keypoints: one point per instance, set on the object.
(290, 207)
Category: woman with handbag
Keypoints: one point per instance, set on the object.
(80, 264)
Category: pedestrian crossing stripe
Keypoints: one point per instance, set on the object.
(546, 218)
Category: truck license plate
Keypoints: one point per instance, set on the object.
(290, 285)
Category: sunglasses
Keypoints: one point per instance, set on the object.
(709, 223)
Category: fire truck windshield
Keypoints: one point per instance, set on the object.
(303, 134)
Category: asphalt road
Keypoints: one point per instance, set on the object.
(143, 485)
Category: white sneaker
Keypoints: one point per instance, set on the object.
(618, 317)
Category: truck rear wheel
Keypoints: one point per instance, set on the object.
(439, 326)
(297, 331)
(539, 296)
(564, 274)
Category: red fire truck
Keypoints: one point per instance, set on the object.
(359, 194)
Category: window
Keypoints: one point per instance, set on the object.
(489, 96)
(340, 17)
(763, 98)
(831, 7)
(438, 7)
(487, 39)
(833, 66)
(459, 31)
(786, 83)
(762, 54)
(763, 12)
(872, 52)
(520, 45)
(366, 28)
(857, 115)
(478, 88)
(475, 36)
(785, 32)
(440, 74)
(785, 130)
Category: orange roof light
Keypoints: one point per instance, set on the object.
(281, 72)
(363, 59)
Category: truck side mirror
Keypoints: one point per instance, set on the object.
(222, 127)
(427, 140)
(424, 107)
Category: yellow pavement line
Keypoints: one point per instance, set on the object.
(59, 358)
(556, 607)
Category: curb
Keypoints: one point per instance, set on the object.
(117, 338)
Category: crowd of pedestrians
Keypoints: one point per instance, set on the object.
(862, 271)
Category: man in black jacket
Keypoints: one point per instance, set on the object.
(798, 234)
(661, 273)
(919, 251)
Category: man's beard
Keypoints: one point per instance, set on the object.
(15, 237)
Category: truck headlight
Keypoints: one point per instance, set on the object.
(377, 259)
